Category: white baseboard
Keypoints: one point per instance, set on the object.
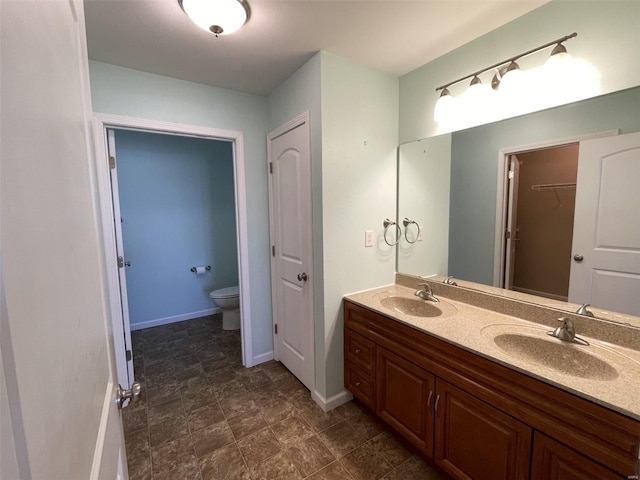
(332, 402)
(258, 359)
(176, 318)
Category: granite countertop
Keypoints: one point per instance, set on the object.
(474, 329)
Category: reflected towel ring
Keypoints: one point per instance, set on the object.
(388, 223)
(406, 222)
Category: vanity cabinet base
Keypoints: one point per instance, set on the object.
(477, 419)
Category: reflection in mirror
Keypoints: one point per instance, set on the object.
(457, 188)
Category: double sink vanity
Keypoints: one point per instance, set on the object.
(477, 385)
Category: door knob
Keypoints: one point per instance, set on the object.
(132, 394)
(128, 264)
(302, 277)
(578, 257)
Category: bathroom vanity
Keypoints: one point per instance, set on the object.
(476, 385)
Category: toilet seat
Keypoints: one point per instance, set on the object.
(226, 292)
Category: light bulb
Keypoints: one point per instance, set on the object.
(444, 107)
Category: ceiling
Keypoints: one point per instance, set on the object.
(393, 36)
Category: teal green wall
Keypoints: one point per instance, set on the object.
(122, 91)
(359, 140)
(474, 169)
(300, 93)
(608, 38)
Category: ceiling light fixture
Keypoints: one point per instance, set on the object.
(505, 69)
(220, 17)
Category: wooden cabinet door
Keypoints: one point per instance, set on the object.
(554, 461)
(405, 396)
(476, 441)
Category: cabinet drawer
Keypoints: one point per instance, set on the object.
(360, 351)
(360, 384)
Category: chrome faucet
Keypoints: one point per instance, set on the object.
(567, 332)
(583, 310)
(426, 293)
(449, 281)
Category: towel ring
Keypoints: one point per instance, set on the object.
(406, 222)
(388, 223)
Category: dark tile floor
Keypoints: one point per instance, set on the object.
(204, 416)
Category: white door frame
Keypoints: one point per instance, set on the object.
(290, 125)
(102, 122)
(502, 197)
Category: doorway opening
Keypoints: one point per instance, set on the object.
(177, 213)
(120, 321)
(539, 213)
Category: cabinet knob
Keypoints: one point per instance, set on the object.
(357, 351)
(358, 384)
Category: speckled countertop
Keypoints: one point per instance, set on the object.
(606, 372)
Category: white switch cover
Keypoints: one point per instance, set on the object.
(368, 238)
(419, 233)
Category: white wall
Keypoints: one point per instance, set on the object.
(359, 139)
(122, 91)
(608, 38)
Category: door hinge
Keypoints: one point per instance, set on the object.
(512, 174)
(276, 328)
(120, 262)
(273, 250)
(270, 167)
(129, 356)
(112, 161)
(507, 234)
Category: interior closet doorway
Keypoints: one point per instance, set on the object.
(540, 213)
(115, 266)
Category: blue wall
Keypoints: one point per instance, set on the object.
(177, 203)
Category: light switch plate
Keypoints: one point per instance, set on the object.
(368, 238)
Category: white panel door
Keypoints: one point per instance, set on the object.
(291, 229)
(605, 269)
(512, 219)
(124, 358)
(56, 342)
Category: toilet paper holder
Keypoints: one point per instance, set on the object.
(207, 268)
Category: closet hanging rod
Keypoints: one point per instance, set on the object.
(553, 186)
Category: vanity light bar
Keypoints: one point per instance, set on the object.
(509, 60)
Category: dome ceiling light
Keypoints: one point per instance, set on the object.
(220, 17)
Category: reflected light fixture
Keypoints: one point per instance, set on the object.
(507, 70)
(220, 17)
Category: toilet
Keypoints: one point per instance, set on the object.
(228, 299)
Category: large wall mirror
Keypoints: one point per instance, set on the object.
(547, 204)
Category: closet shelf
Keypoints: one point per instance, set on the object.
(553, 186)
